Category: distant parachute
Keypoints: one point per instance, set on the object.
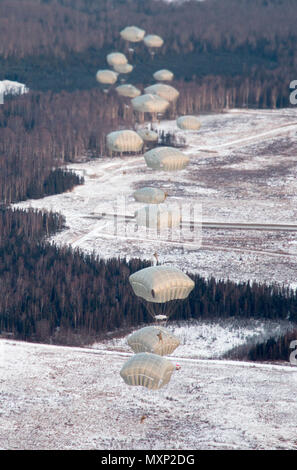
(167, 92)
(124, 141)
(149, 103)
(123, 68)
(166, 158)
(163, 75)
(188, 123)
(150, 195)
(147, 135)
(107, 77)
(147, 370)
(158, 217)
(160, 284)
(116, 58)
(132, 34)
(153, 41)
(127, 90)
(153, 339)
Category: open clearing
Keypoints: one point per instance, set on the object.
(242, 171)
(70, 398)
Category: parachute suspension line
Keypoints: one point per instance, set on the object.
(163, 310)
(147, 307)
(157, 309)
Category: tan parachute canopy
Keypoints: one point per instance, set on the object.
(150, 195)
(153, 339)
(132, 34)
(152, 40)
(163, 75)
(147, 135)
(147, 370)
(124, 141)
(130, 91)
(116, 58)
(123, 68)
(107, 77)
(161, 284)
(158, 217)
(188, 123)
(149, 103)
(166, 158)
(167, 92)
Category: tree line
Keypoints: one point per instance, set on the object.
(223, 54)
(58, 26)
(41, 131)
(275, 349)
(248, 44)
(65, 296)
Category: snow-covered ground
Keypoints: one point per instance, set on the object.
(69, 398)
(242, 169)
(8, 87)
(210, 339)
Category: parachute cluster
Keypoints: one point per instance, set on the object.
(160, 287)
(148, 367)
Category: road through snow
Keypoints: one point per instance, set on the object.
(246, 191)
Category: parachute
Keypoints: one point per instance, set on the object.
(124, 141)
(167, 92)
(107, 77)
(152, 40)
(163, 75)
(166, 158)
(116, 58)
(147, 370)
(132, 34)
(158, 217)
(160, 284)
(153, 339)
(149, 103)
(150, 195)
(127, 90)
(188, 123)
(148, 135)
(123, 68)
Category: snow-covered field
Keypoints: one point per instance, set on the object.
(210, 339)
(8, 87)
(69, 398)
(242, 169)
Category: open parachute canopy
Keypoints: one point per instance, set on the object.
(127, 90)
(158, 217)
(166, 158)
(147, 370)
(161, 284)
(147, 135)
(116, 58)
(188, 123)
(132, 34)
(153, 40)
(150, 195)
(123, 68)
(167, 92)
(124, 141)
(106, 77)
(153, 339)
(163, 75)
(149, 103)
